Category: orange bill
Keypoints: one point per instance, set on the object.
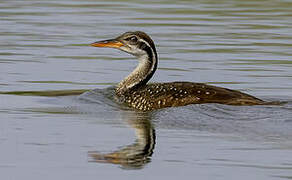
(108, 43)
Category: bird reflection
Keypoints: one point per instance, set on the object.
(138, 154)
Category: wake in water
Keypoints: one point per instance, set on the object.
(263, 121)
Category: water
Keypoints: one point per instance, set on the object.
(44, 55)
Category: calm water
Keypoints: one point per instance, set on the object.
(44, 55)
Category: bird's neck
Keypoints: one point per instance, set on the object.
(141, 74)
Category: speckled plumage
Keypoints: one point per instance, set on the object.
(161, 95)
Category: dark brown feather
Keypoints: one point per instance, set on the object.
(161, 95)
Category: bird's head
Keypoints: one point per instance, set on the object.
(136, 43)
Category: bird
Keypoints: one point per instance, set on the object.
(135, 92)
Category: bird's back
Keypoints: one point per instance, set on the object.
(161, 95)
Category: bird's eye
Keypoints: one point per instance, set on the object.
(132, 39)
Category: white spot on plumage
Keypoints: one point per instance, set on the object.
(143, 101)
(163, 102)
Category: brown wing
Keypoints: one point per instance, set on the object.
(162, 95)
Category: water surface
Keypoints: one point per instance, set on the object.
(49, 131)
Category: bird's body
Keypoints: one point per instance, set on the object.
(161, 95)
(136, 93)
